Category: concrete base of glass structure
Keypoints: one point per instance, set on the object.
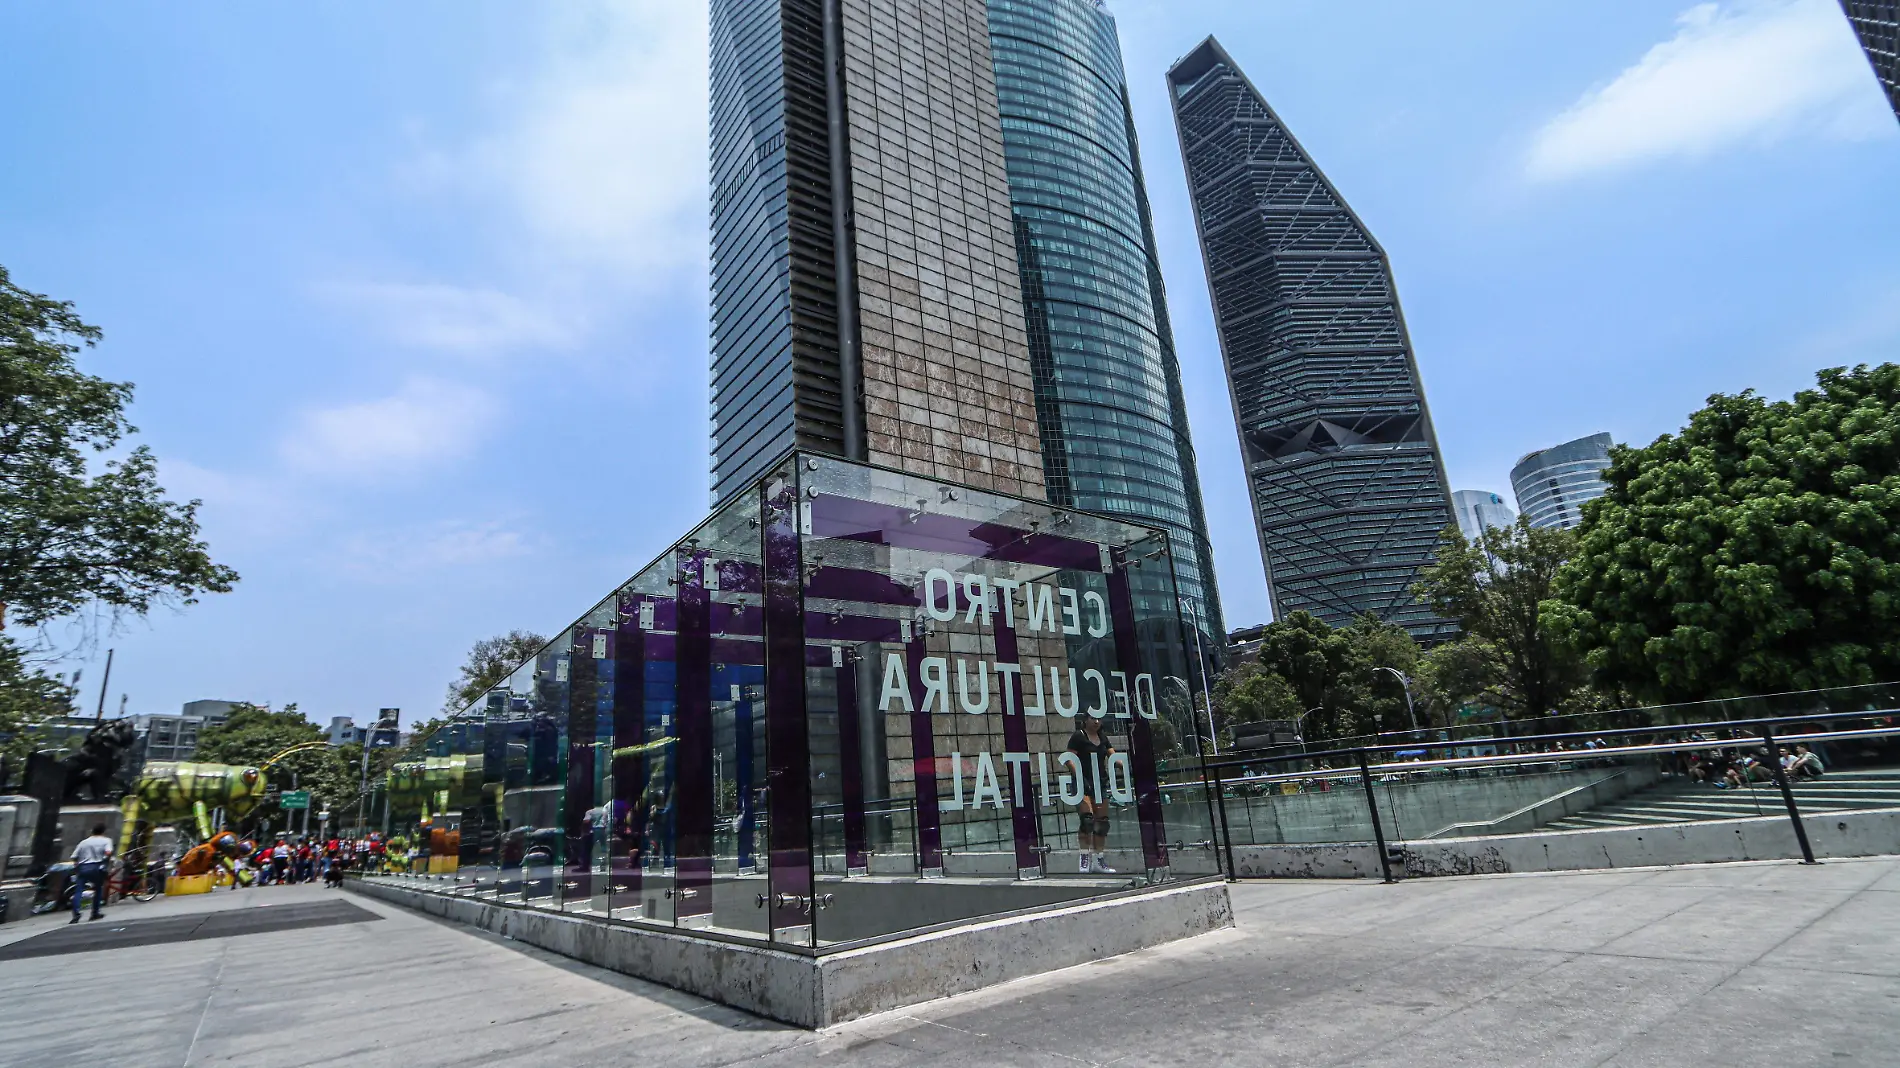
(1868, 833)
(820, 989)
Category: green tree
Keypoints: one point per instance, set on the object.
(1249, 693)
(28, 696)
(1496, 588)
(490, 661)
(71, 537)
(253, 734)
(1303, 664)
(1756, 551)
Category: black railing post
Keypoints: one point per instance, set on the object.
(1372, 805)
(1226, 836)
(1787, 795)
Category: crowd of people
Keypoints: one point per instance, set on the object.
(288, 860)
(1729, 769)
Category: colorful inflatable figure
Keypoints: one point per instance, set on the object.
(176, 792)
(225, 848)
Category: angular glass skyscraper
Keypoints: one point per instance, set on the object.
(1348, 489)
(931, 250)
(1108, 388)
(1877, 23)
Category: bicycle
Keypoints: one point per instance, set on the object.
(134, 877)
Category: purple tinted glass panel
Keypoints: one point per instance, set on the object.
(1016, 740)
(787, 734)
(693, 785)
(628, 837)
(883, 524)
(851, 761)
(923, 760)
(582, 701)
(1121, 608)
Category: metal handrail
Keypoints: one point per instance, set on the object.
(1566, 756)
(1723, 725)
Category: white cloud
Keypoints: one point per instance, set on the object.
(426, 422)
(433, 547)
(467, 321)
(601, 154)
(1734, 73)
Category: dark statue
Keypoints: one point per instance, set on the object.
(93, 770)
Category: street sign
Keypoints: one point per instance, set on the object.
(294, 799)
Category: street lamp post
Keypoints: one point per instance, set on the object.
(1406, 684)
(1200, 659)
(1299, 722)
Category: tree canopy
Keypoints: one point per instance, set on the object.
(489, 662)
(28, 697)
(71, 537)
(1756, 551)
(1495, 588)
(1303, 664)
(254, 734)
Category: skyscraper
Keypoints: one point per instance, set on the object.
(1553, 484)
(1479, 509)
(865, 295)
(1877, 23)
(1348, 490)
(1108, 388)
(932, 250)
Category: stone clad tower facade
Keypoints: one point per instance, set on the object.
(865, 294)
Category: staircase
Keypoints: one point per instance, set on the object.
(1678, 800)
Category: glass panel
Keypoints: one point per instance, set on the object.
(984, 688)
(727, 565)
(587, 804)
(963, 704)
(641, 818)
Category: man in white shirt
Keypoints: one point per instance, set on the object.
(90, 860)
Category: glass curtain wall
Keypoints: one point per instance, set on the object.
(851, 704)
(1108, 386)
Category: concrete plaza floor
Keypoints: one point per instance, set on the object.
(1739, 965)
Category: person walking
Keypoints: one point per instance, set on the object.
(91, 857)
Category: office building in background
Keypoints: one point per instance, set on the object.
(865, 294)
(1347, 486)
(169, 737)
(1553, 484)
(213, 712)
(1877, 24)
(931, 250)
(344, 731)
(1478, 510)
(1109, 406)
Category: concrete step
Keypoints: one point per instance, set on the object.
(1678, 801)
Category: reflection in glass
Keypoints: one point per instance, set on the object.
(852, 703)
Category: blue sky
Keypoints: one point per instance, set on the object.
(414, 295)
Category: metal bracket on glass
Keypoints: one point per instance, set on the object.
(802, 902)
(674, 892)
(1207, 844)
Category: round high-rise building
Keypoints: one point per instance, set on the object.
(1553, 484)
(1108, 387)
